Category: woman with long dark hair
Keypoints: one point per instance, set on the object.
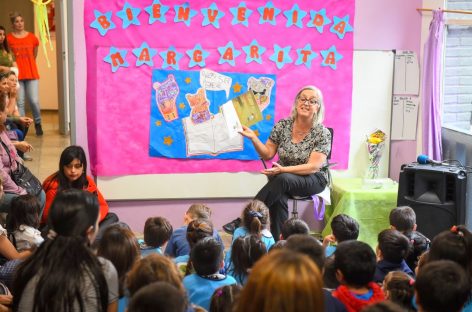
(64, 274)
(7, 59)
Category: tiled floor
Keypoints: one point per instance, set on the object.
(47, 148)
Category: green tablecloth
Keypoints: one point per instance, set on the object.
(370, 207)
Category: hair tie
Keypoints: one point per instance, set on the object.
(52, 234)
(255, 214)
(219, 292)
(454, 229)
(411, 282)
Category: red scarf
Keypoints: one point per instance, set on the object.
(354, 304)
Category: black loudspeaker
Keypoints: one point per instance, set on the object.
(437, 194)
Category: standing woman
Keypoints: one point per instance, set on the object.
(7, 59)
(302, 144)
(25, 48)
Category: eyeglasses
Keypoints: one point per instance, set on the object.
(306, 101)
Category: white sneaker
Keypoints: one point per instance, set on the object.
(27, 157)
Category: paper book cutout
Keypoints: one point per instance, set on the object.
(241, 110)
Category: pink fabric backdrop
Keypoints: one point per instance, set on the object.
(118, 104)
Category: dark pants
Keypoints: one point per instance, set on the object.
(280, 188)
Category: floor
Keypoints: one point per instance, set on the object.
(47, 148)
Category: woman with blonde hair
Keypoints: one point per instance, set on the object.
(283, 281)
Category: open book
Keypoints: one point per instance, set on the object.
(241, 110)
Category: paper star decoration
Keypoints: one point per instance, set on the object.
(305, 56)
(157, 12)
(268, 117)
(117, 58)
(158, 123)
(254, 52)
(318, 19)
(212, 16)
(281, 56)
(168, 140)
(268, 13)
(102, 22)
(144, 55)
(330, 57)
(129, 15)
(197, 56)
(241, 14)
(188, 80)
(341, 26)
(171, 58)
(228, 54)
(182, 105)
(295, 16)
(237, 87)
(184, 14)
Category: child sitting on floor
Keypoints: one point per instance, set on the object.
(343, 228)
(157, 231)
(399, 287)
(293, 226)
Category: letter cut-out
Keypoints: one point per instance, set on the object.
(157, 12)
(341, 26)
(295, 16)
(116, 58)
(197, 56)
(331, 57)
(268, 14)
(102, 22)
(228, 54)
(144, 55)
(129, 15)
(318, 20)
(212, 16)
(241, 14)
(254, 52)
(184, 14)
(281, 56)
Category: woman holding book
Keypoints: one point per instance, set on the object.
(302, 144)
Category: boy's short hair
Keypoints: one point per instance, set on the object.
(199, 211)
(394, 245)
(170, 299)
(294, 226)
(442, 286)
(383, 306)
(356, 261)
(403, 218)
(157, 231)
(344, 228)
(309, 246)
(206, 256)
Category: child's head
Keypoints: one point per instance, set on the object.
(72, 168)
(354, 262)
(24, 209)
(255, 216)
(207, 256)
(170, 299)
(224, 298)
(153, 268)
(399, 288)
(383, 306)
(4, 88)
(197, 211)
(393, 245)
(442, 286)
(344, 228)
(280, 244)
(197, 230)
(294, 226)
(157, 231)
(420, 244)
(246, 250)
(403, 219)
(309, 246)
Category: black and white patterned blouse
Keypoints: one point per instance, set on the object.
(292, 154)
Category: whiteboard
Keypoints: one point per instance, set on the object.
(372, 102)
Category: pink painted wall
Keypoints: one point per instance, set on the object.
(379, 25)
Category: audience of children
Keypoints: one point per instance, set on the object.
(157, 231)
(392, 250)
(246, 251)
(225, 298)
(343, 228)
(399, 288)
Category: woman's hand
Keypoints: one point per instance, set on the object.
(6, 299)
(248, 133)
(275, 170)
(23, 146)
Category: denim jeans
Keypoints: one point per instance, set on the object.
(30, 88)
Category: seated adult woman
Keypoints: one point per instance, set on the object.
(72, 173)
(64, 274)
(302, 144)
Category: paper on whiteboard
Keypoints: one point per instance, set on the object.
(404, 117)
(407, 74)
(213, 81)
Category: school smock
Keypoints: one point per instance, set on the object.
(51, 185)
(200, 289)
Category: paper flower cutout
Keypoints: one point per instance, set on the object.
(102, 22)
(116, 58)
(295, 16)
(168, 140)
(305, 56)
(254, 52)
(228, 54)
(144, 55)
(330, 57)
(157, 12)
(341, 26)
(281, 56)
(241, 14)
(212, 16)
(268, 13)
(184, 14)
(197, 56)
(318, 19)
(171, 58)
(129, 15)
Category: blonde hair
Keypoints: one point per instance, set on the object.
(199, 211)
(283, 281)
(318, 117)
(13, 15)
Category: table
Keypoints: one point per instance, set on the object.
(370, 207)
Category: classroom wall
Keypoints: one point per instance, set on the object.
(379, 25)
